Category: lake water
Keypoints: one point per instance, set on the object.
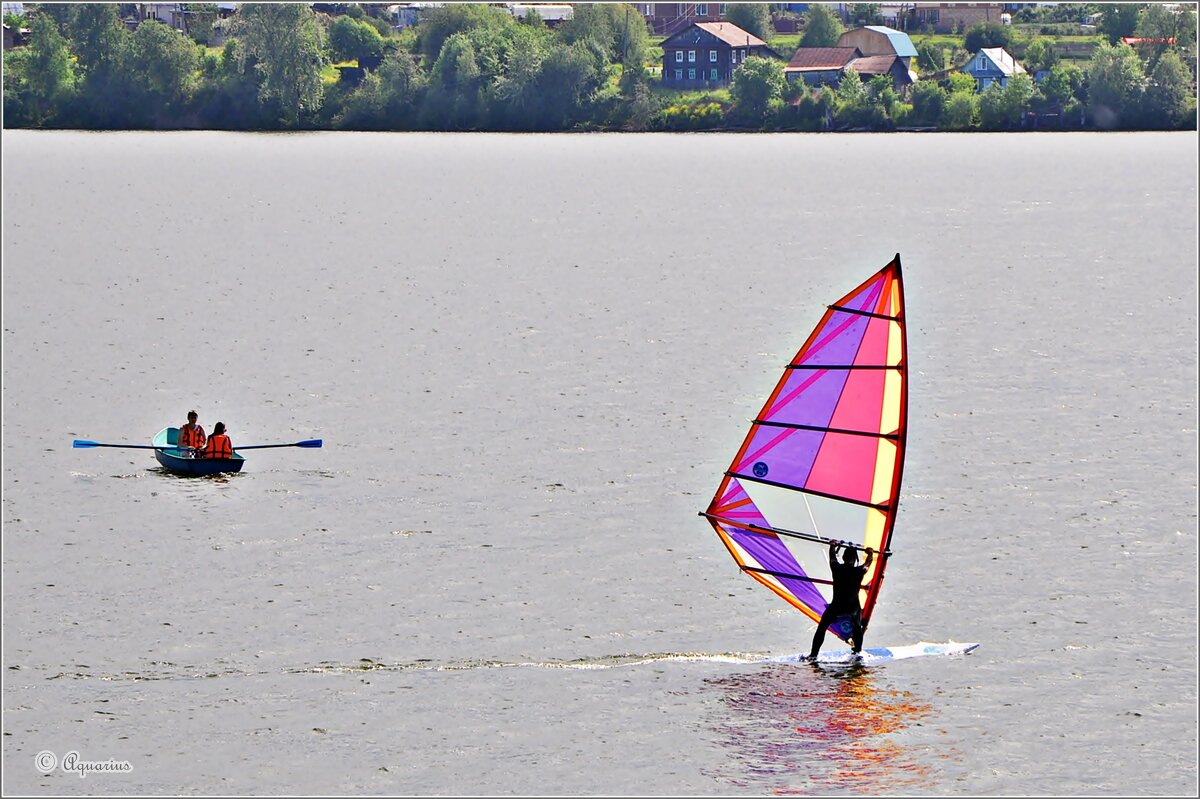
(530, 358)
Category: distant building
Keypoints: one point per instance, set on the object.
(405, 15)
(666, 19)
(871, 66)
(15, 37)
(820, 66)
(992, 65)
(551, 14)
(826, 66)
(947, 17)
(705, 54)
(880, 40)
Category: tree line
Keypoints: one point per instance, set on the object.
(476, 67)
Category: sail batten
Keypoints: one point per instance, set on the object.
(825, 454)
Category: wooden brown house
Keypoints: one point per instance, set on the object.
(705, 54)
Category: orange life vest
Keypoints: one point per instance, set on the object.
(219, 446)
(191, 436)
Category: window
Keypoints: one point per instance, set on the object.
(702, 9)
(712, 56)
(712, 74)
(691, 56)
(678, 56)
(691, 74)
(679, 74)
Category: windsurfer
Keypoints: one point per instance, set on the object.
(847, 581)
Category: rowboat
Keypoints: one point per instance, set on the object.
(171, 456)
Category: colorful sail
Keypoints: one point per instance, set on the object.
(823, 459)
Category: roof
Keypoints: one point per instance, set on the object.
(818, 58)
(873, 64)
(731, 34)
(1003, 61)
(898, 39)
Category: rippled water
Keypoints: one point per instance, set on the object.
(530, 357)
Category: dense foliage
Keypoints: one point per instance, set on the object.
(470, 66)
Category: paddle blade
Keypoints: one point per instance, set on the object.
(312, 442)
(83, 444)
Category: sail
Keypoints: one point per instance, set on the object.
(823, 459)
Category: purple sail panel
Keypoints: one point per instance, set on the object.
(736, 504)
(781, 455)
(808, 396)
(866, 296)
(772, 555)
(837, 341)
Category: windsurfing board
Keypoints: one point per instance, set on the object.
(880, 654)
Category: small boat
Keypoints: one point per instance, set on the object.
(169, 454)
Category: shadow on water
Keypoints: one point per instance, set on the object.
(813, 729)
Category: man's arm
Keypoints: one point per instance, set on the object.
(870, 557)
(832, 555)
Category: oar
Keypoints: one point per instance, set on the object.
(82, 444)
(312, 442)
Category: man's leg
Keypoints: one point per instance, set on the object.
(819, 635)
(857, 635)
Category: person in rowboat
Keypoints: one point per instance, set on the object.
(219, 445)
(847, 581)
(191, 435)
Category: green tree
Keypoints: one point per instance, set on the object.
(928, 99)
(284, 45)
(365, 108)
(632, 46)
(757, 88)
(1118, 20)
(1166, 29)
(1115, 84)
(617, 29)
(439, 24)
(100, 42)
(753, 18)
(961, 82)
(864, 14)
(200, 20)
(961, 111)
(822, 28)
(517, 90)
(569, 78)
(1003, 107)
(454, 98)
(40, 79)
(1040, 55)
(850, 91)
(1063, 83)
(158, 72)
(1168, 92)
(98, 37)
(404, 86)
(987, 34)
(931, 56)
(354, 39)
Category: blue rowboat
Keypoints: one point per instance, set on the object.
(166, 449)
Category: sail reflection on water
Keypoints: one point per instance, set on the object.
(816, 730)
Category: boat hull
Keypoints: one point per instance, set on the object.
(172, 459)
